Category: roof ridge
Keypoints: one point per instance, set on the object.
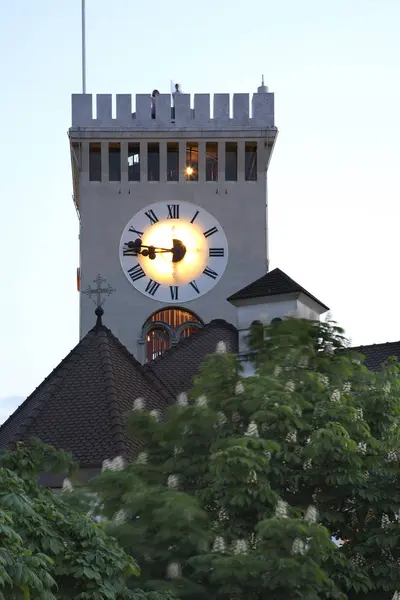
(59, 368)
(117, 426)
(54, 386)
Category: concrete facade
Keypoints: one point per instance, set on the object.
(106, 206)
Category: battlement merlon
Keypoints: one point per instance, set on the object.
(173, 118)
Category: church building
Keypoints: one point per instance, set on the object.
(172, 202)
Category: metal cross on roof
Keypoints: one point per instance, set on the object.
(99, 291)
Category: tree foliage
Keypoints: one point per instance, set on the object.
(236, 493)
(49, 550)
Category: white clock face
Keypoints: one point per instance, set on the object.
(173, 252)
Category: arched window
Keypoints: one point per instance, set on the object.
(166, 327)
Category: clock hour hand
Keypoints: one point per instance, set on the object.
(135, 248)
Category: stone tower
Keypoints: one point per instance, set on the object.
(172, 202)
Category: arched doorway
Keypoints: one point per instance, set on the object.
(165, 328)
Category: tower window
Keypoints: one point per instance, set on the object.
(172, 161)
(167, 326)
(114, 161)
(157, 342)
(231, 161)
(134, 161)
(153, 161)
(211, 161)
(250, 161)
(95, 161)
(192, 161)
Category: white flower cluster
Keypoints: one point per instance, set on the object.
(221, 348)
(392, 456)
(359, 414)
(142, 458)
(219, 544)
(307, 464)
(138, 404)
(299, 546)
(335, 396)
(252, 430)
(67, 485)
(252, 478)
(221, 419)
(277, 371)
(174, 570)
(346, 387)
(361, 447)
(177, 450)
(182, 399)
(202, 401)
(323, 379)
(385, 521)
(173, 481)
(119, 517)
(311, 514)
(358, 560)
(290, 386)
(386, 387)
(223, 515)
(254, 541)
(303, 362)
(239, 388)
(291, 437)
(116, 464)
(281, 510)
(155, 414)
(239, 547)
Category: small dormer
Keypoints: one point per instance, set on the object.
(273, 296)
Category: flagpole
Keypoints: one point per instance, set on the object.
(83, 49)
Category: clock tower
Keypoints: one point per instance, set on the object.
(172, 202)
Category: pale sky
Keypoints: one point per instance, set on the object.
(333, 179)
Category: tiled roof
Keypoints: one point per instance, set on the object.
(376, 354)
(271, 284)
(81, 406)
(176, 368)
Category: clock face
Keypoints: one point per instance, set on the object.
(173, 252)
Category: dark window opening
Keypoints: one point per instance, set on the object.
(95, 161)
(276, 320)
(114, 161)
(211, 161)
(231, 161)
(153, 161)
(134, 161)
(192, 161)
(250, 161)
(172, 161)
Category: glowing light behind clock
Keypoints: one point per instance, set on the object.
(162, 269)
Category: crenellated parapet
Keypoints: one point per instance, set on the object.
(171, 113)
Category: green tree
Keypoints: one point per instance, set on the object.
(48, 549)
(237, 492)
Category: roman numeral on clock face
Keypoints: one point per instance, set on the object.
(174, 290)
(136, 272)
(152, 287)
(194, 286)
(210, 232)
(216, 252)
(151, 215)
(173, 211)
(194, 216)
(210, 273)
(138, 233)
